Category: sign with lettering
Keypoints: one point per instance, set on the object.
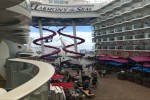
(80, 8)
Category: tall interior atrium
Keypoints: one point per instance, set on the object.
(120, 33)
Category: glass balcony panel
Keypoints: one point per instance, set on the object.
(134, 16)
(139, 15)
(129, 37)
(111, 39)
(97, 40)
(112, 47)
(136, 26)
(40, 94)
(128, 18)
(100, 40)
(105, 47)
(119, 47)
(19, 73)
(122, 1)
(110, 15)
(96, 47)
(114, 21)
(148, 35)
(120, 38)
(128, 28)
(93, 40)
(118, 29)
(128, 9)
(129, 47)
(104, 17)
(103, 26)
(99, 47)
(104, 39)
(98, 34)
(119, 20)
(111, 31)
(104, 32)
(117, 13)
(147, 47)
(126, 1)
(123, 19)
(146, 1)
(102, 11)
(117, 4)
(93, 35)
(139, 47)
(111, 23)
(146, 12)
(137, 5)
(140, 36)
(146, 24)
(94, 21)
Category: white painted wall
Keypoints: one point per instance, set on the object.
(13, 49)
(4, 54)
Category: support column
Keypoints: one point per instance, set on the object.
(41, 35)
(74, 34)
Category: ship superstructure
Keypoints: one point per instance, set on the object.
(122, 29)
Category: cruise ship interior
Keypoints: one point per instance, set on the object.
(120, 28)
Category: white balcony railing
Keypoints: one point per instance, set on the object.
(31, 88)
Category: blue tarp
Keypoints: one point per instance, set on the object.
(140, 68)
(99, 60)
(115, 63)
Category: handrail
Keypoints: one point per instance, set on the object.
(118, 6)
(127, 31)
(125, 22)
(45, 73)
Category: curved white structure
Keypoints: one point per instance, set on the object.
(14, 28)
(44, 74)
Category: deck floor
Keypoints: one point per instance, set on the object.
(110, 88)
